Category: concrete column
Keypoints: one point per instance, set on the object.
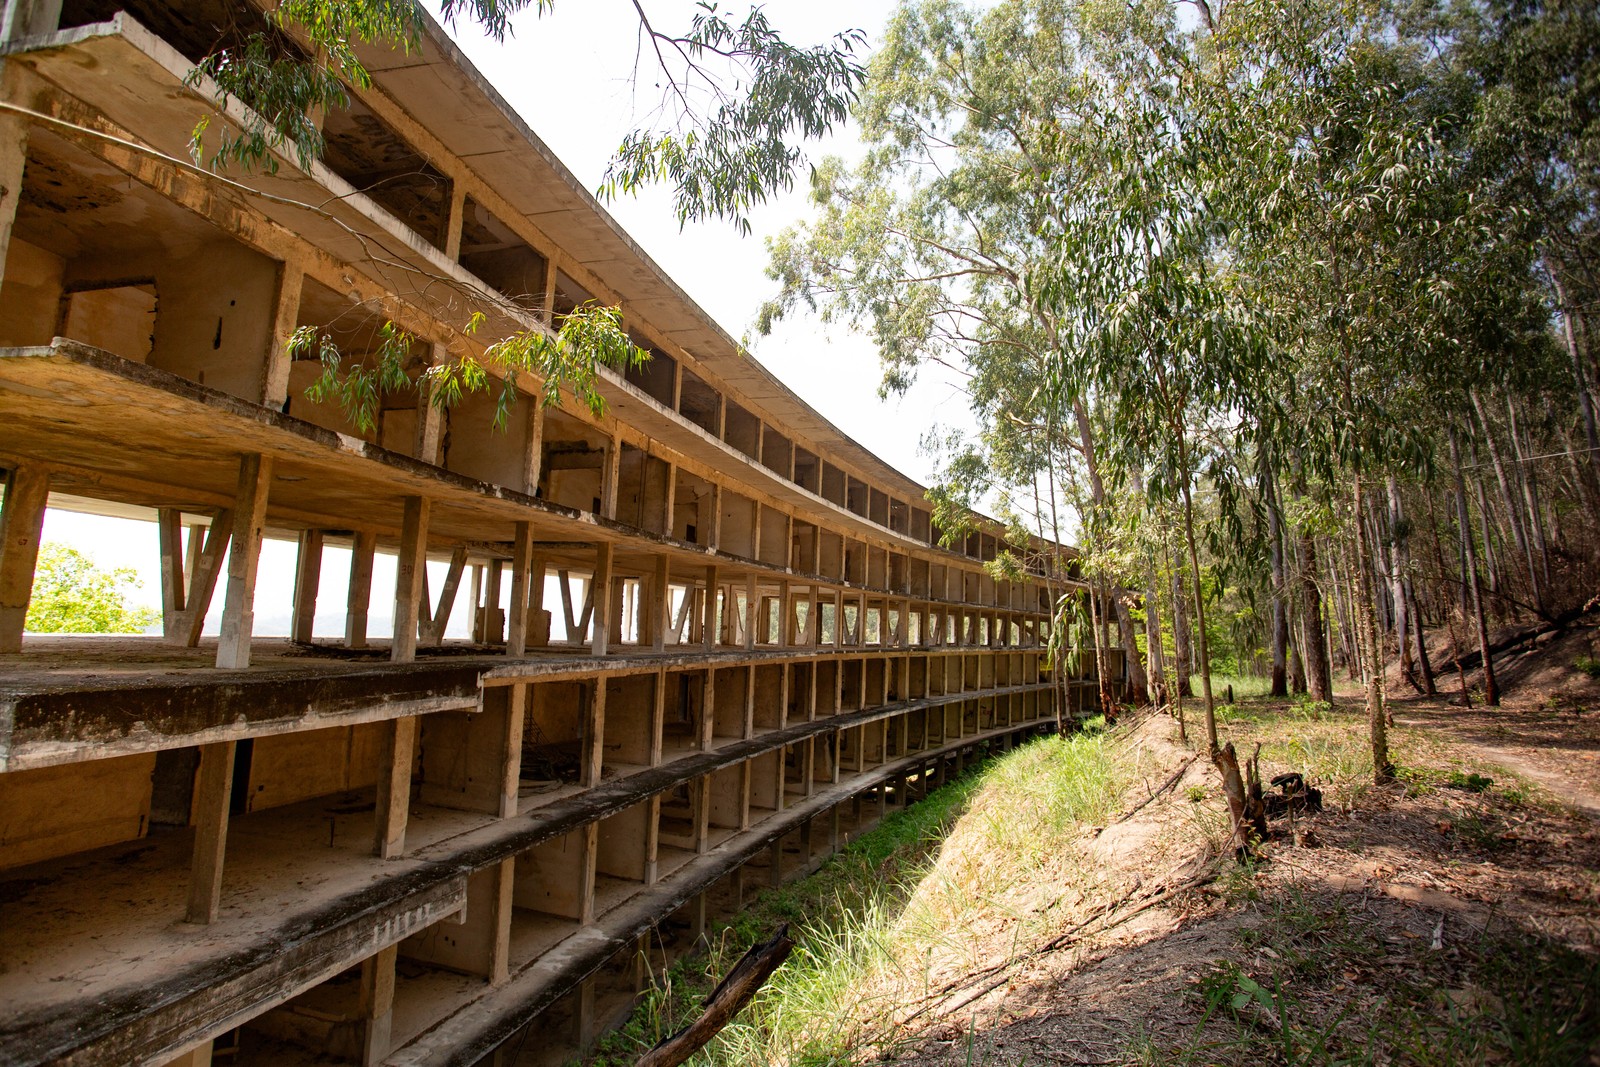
(600, 586)
(594, 734)
(511, 754)
(408, 579)
(505, 880)
(362, 550)
(608, 482)
(589, 838)
(533, 467)
(697, 917)
(244, 553)
(307, 577)
(21, 525)
(285, 317)
(395, 758)
(376, 1004)
(430, 417)
(652, 840)
(521, 569)
(213, 795)
(174, 576)
(658, 717)
(752, 608)
(493, 623)
(587, 1024)
(660, 603)
(708, 627)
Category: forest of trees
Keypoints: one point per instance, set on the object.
(1287, 304)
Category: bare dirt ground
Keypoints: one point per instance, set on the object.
(1450, 917)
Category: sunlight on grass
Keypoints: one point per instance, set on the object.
(901, 910)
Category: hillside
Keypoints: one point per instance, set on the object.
(1070, 903)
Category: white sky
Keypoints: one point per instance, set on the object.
(570, 75)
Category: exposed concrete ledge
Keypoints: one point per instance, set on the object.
(472, 1032)
(143, 1021)
(155, 1020)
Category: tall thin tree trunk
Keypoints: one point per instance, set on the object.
(1319, 672)
(1343, 608)
(1493, 556)
(1513, 513)
(1377, 717)
(1180, 689)
(1491, 689)
(1180, 636)
(1399, 569)
(1588, 485)
(1450, 616)
(1280, 612)
(1199, 610)
(1429, 686)
(1530, 494)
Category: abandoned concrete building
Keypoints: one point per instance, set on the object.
(711, 636)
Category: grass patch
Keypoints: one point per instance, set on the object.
(895, 912)
(1326, 743)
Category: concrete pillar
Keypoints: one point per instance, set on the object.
(213, 795)
(587, 1024)
(594, 734)
(708, 626)
(601, 590)
(658, 717)
(660, 602)
(362, 551)
(697, 917)
(307, 577)
(408, 579)
(505, 880)
(395, 758)
(608, 481)
(521, 572)
(21, 526)
(244, 553)
(652, 840)
(285, 318)
(511, 753)
(492, 626)
(376, 1006)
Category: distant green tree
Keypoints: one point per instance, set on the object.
(73, 596)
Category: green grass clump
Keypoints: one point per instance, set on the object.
(874, 922)
(1588, 665)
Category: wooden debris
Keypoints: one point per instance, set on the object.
(726, 1001)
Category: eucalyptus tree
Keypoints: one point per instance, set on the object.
(929, 245)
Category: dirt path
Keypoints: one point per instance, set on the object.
(1424, 900)
(1556, 749)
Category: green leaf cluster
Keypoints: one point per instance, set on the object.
(71, 595)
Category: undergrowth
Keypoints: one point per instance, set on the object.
(891, 914)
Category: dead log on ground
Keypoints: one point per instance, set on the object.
(726, 1001)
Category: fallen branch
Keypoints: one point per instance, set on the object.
(726, 1001)
(1150, 899)
(1166, 785)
